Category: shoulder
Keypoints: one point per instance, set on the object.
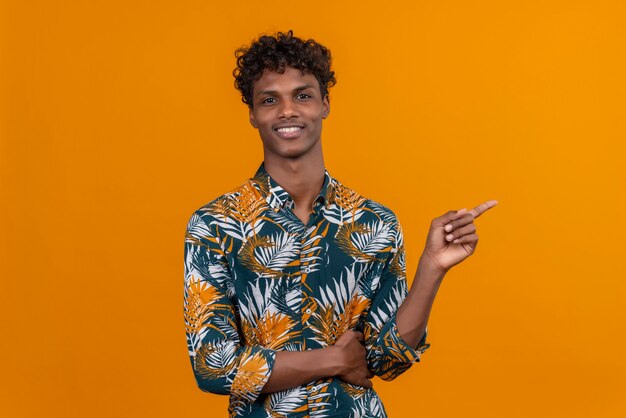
(230, 204)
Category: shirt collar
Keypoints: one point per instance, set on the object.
(277, 197)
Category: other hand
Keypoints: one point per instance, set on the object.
(452, 236)
(352, 359)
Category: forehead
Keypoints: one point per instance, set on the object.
(291, 79)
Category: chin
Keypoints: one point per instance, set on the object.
(291, 154)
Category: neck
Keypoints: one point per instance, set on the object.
(301, 178)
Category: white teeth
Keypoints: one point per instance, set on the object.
(289, 129)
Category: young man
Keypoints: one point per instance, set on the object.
(295, 290)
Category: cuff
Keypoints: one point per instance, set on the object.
(399, 349)
(253, 372)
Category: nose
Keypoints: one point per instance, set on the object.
(288, 109)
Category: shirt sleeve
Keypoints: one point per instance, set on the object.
(221, 364)
(388, 355)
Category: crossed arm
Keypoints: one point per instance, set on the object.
(347, 358)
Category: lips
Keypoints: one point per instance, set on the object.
(289, 131)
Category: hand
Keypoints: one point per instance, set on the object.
(352, 354)
(452, 237)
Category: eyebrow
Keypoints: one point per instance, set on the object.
(297, 89)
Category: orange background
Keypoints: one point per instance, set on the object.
(119, 119)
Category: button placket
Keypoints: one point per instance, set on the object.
(305, 270)
(304, 314)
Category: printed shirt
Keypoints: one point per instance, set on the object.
(258, 280)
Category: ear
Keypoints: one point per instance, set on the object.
(325, 107)
(252, 119)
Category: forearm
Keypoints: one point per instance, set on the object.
(413, 314)
(295, 368)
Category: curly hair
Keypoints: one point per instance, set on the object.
(276, 52)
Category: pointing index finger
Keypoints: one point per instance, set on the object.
(483, 207)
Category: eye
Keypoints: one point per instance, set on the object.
(303, 96)
(268, 100)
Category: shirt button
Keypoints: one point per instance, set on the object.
(307, 269)
(308, 312)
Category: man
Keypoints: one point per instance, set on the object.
(295, 288)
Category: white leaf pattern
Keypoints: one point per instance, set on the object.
(373, 241)
(282, 252)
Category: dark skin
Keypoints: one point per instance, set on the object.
(292, 100)
(288, 110)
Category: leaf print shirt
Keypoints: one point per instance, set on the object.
(258, 280)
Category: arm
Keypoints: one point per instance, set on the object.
(295, 368)
(345, 359)
(388, 354)
(451, 239)
(413, 314)
(221, 364)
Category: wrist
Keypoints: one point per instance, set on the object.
(429, 269)
(333, 359)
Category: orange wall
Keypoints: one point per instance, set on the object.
(120, 118)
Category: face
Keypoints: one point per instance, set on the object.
(288, 110)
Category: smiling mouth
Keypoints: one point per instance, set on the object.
(289, 129)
